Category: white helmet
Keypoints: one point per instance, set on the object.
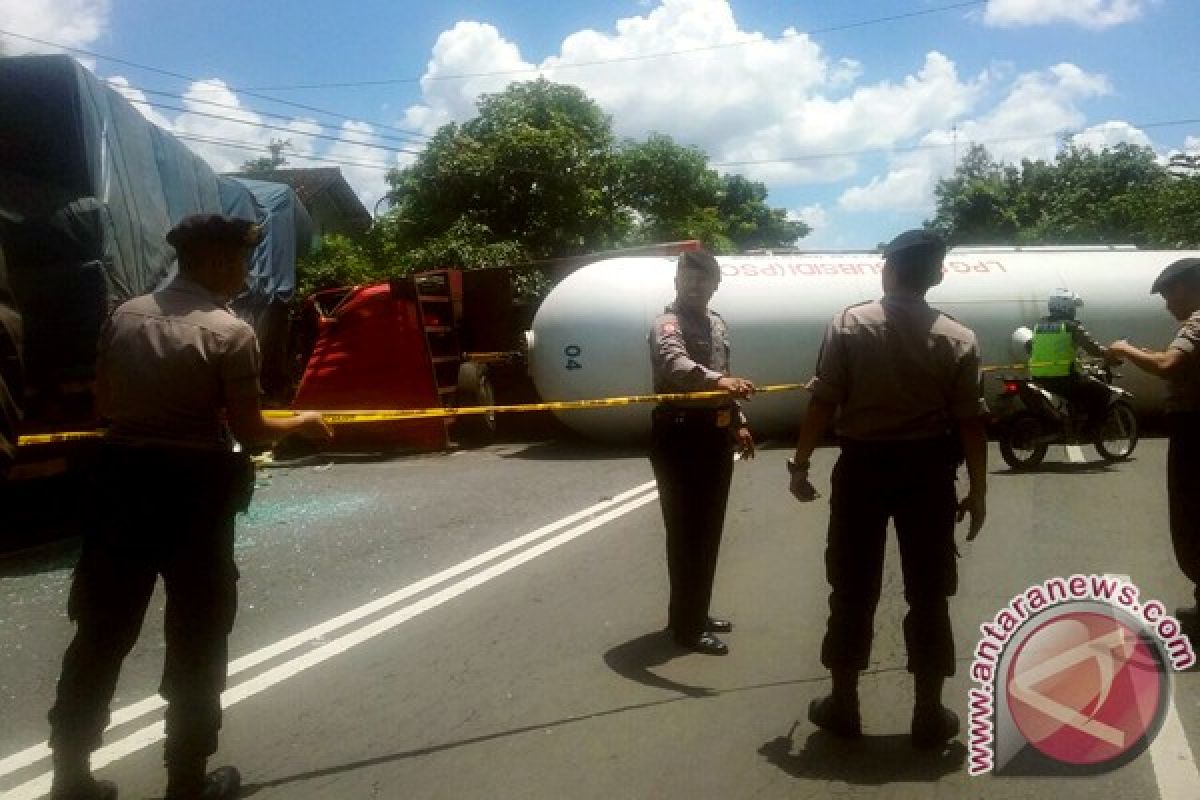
(1063, 302)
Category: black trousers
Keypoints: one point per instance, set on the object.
(693, 463)
(911, 483)
(160, 512)
(1183, 493)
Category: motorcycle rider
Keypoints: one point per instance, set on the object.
(1054, 363)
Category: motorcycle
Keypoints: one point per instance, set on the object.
(1033, 418)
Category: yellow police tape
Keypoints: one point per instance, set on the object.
(347, 417)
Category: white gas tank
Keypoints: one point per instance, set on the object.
(590, 336)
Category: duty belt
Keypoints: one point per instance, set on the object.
(704, 417)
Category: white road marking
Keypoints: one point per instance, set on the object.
(616, 507)
(1174, 765)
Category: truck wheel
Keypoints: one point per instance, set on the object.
(1020, 444)
(474, 389)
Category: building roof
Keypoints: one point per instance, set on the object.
(311, 184)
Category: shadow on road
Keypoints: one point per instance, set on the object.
(869, 761)
(634, 658)
(641, 650)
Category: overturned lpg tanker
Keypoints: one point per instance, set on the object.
(589, 337)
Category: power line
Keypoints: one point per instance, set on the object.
(624, 59)
(258, 148)
(212, 104)
(282, 128)
(919, 147)
(180, 76)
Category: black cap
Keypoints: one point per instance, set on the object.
(213, 230)
(698, 259)
(915, 245)
(1174, 271)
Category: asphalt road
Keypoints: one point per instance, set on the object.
(539, 670)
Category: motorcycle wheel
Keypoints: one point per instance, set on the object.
(1019, 445)
(1119, 433)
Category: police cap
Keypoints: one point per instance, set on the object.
(1174, 271)
(916, 247)
(700, 260)
(213, 230)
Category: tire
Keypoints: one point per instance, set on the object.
(474, 389)
(1018, 442)
(1119, 434)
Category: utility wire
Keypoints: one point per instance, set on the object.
(919, 147)
(258, 148)
(626, 59)
(212, 104)
(180, 76)
(292, 131)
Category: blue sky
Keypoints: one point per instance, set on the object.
(849, 112)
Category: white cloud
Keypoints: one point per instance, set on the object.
(139, 100)
(1191, 144)
(741, 96)
(71, 23)
(1091, 14)
(215, 112)
(1111, 133)
(467, 48)
(1027, 123)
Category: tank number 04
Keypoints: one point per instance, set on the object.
(572, 352)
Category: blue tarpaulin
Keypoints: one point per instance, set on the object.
(88, 189)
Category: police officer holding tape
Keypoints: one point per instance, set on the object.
(176, 373)
(692, 446)
(905, 378)
(1179, 365)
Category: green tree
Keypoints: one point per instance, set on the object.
(538, 171)
(1119, 195)
(337, 261)
(534, 168)
(275, 160)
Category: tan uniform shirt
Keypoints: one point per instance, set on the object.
(169, 363)
(899, 370)
(1183, 388)
(689, 352)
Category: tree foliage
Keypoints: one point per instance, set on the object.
(275, 160)
(1119, 195)
(538, 174)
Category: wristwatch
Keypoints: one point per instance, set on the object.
(794, 468)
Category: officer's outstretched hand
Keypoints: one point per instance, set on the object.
(976, 506)
(738, 387)
(312, 426)
(745, 442)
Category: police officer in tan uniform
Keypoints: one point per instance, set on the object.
(905, 378)
(692, 446)
(1179, 364)
(176, 373)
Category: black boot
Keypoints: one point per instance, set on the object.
(187, 781)
(838, 713)
(932, 724)
(73, 779)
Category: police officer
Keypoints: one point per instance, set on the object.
(692, 446)
(174, 367)
(1179, 364)
(905, 378)
(1054, 363)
